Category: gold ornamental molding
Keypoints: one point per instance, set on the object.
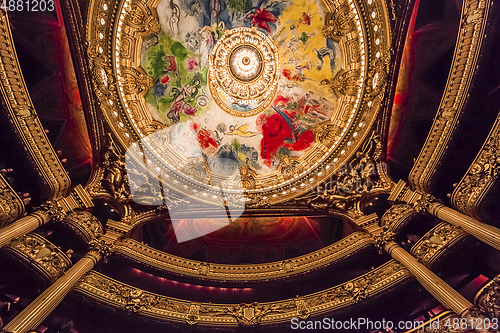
(44, 256)
(487, 300)
(481, 175)
(314, 260)
(116, 30)
(396, 216)
(470, 37)
(85, 224)
(24, 117)
(11, 206)
(436, 242)
(101, 288)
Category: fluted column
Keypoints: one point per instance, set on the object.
(29, 223)
(426, 203)
(442, 291)
(34, 314)
(79, 198)
(482, 231)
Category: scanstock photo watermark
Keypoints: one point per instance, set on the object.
(368, 325)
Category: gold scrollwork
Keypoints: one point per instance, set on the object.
(397, 215)
(467, 51)
(24, 117)
(142, 18)
(11, 206)
(487, 301)
(98, 286)
(47, 258)
(136, 81)
(290, 167)
(376, 78)
(85, 223)
(327, 133)
(339, 23)
(433, 244)
(346, 83)
(164, 261)
(481, 176)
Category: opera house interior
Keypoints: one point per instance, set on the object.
(249, 166)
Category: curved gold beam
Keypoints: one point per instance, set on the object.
(22, 113)
(11, 206)
(314, 260)
(436, 242)
(470, 37)
(481, 175)
(41, 254)
(101, 288)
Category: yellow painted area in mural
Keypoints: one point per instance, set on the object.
(300, 40)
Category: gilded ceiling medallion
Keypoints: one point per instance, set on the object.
(243, 72)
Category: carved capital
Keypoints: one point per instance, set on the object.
(100, 247)
(423, 204)
(51, 208)
(383, 238)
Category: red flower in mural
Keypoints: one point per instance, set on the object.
(261, 18)
(206, 140)
(165, 79)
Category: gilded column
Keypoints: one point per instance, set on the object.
(442, 291)
(29, 223)
(79, 198)
(425, 203)
(482, 231)
(34, 314)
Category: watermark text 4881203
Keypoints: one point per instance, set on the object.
(27, 5)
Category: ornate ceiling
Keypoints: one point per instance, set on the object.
(239, 175)
(174, 88)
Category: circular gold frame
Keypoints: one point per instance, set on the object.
(219, 69)
(360, 27)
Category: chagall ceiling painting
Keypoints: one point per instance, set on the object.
(250, 78)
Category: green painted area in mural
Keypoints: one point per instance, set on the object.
(173, 69)
(236, 145)
(239, 5)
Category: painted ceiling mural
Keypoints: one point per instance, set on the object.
(267, 96)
